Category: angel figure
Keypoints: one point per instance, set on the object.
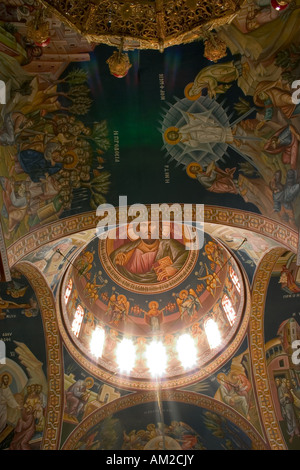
(214, 253)
(28, 309)
(120, 309)
(188, 303)
(212, 281)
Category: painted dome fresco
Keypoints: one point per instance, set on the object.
(146, 290)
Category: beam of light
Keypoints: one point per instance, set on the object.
(126, 355)
(212, 333)
(97, 342)
(187, 351)
(156, 357)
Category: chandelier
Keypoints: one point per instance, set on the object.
(144, 24)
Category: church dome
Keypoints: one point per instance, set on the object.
(121, 289)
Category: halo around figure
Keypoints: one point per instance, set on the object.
(187, 92)
(171, 135)
(192, 169)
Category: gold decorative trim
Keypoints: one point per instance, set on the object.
(257, 349)
(257, 223)
(144, 24)
(55, 396)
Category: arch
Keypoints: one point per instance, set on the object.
(190, 398)
(257, 349)
(51, 436)
(86, 221)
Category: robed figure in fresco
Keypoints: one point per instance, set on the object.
(147, 259)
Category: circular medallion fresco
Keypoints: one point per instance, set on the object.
(144, 265)
(153, 289)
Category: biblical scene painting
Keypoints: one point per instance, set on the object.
(214, 131)
(83, 395)
(23, 371)
(232, 385)
(282, 324)
(184, 428)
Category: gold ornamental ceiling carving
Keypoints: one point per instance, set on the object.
(144, 24)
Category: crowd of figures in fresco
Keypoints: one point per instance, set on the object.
(49, 156)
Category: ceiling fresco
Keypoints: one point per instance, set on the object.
(180, 127)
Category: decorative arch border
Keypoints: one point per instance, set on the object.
(190, 398)
(53, 345)
(265, 226)
(257, 349)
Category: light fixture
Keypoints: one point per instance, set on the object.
(125, 355)
(187, 352)
(156, 358)
(97, 342)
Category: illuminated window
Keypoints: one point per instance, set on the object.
(126, 355)
(212, 333)
(78, 317)
(68, 291)
(229, 310)
(156, 358)
(97, 342)
(235, 279)
(187, 351)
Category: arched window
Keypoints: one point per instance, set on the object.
(77, 321)
(229, 310)
(212, 333)
(68, 291)
(235, 279)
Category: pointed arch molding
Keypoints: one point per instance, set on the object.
(51, 436)
(270, 228)
(257, 349)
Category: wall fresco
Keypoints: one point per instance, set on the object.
(23, 371)
(72, 142)
(282, 329)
